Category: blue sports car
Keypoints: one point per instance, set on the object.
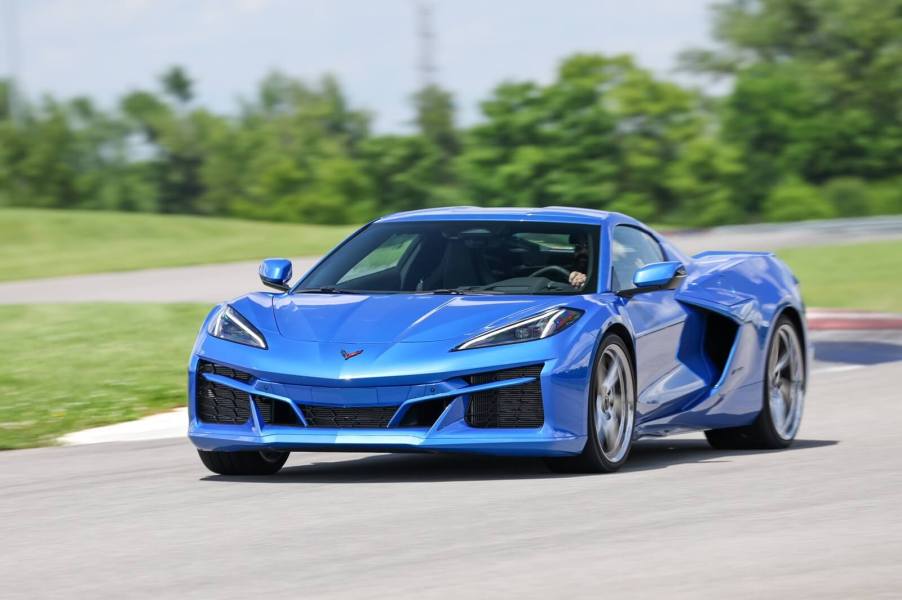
(556, 332)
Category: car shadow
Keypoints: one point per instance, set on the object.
(857, 352)
(405, 468)
(662, 453)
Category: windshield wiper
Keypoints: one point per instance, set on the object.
(460, 292)
(323, 290)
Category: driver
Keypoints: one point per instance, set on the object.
(580, 267)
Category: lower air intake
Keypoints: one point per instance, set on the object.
(221, 404)
(275, 412)
(508, 407)
(371, 417)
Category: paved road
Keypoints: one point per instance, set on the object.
(772, 236)
(215, 283)
(144, 520)
(204, 283)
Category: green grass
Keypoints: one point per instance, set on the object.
(46, 243)
(70, 367)
(865, 276)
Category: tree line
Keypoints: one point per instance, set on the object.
(812, 128)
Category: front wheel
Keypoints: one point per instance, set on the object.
(784, 397)
(243, 463)
(611, 413)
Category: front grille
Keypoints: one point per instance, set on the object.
(204, 366)
(514, 406)
(372, 417)
(221, 404)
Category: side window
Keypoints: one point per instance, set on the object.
(631, 249)
(385, 256)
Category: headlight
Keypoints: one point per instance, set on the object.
(230, 325)
(534, 328)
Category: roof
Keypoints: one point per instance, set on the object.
(561, 214)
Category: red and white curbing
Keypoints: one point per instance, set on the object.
(832, 319)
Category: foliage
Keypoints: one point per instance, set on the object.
(817, 88)
(602, 135)
(795, 200)
(815, 109)
(849, 196)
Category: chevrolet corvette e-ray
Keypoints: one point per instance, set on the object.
(561, 333)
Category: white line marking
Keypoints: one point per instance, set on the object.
(838, 369)
(161, 426)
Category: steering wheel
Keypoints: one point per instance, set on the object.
(553, 270)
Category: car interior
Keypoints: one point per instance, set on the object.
(501, 258)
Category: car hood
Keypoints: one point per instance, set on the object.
(391, 318)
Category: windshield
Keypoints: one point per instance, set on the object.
(462, 257)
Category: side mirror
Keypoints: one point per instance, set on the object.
(657, 275)
(275, 273)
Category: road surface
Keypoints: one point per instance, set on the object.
(215, 283)
(145, 520)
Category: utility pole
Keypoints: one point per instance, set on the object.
(426, 43)
(11, 33)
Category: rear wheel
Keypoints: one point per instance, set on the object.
(611, 413)
(784, 397)
(243, 463)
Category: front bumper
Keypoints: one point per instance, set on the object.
(543, 442)
(558, 432)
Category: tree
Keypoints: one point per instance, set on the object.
(405, 172)
(434, 109)
(293, 155)
(812, 127)
(177, 84)
(794, 200)
(601, 135)
(817, 88)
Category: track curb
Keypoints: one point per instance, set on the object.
(824, 319)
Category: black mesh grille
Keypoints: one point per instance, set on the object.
(221, 404)
(352, 418)
(208, 367)
(265, 408)
(514, 406)
(275, 412)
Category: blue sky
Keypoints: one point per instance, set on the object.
(103, 48)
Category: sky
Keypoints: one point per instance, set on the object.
(104, 48)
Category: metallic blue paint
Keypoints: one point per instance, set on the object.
(657, 274)
(275, 272)
(407, 359)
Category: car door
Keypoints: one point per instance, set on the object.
(656, 317)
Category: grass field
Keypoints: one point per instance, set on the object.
(69, 367)
(46, 243)
(864, 276)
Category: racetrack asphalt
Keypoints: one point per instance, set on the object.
(145, 520)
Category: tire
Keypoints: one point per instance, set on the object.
(243, 463)
(611, 424)
(783, 397)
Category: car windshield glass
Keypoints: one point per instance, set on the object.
(462, 257)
